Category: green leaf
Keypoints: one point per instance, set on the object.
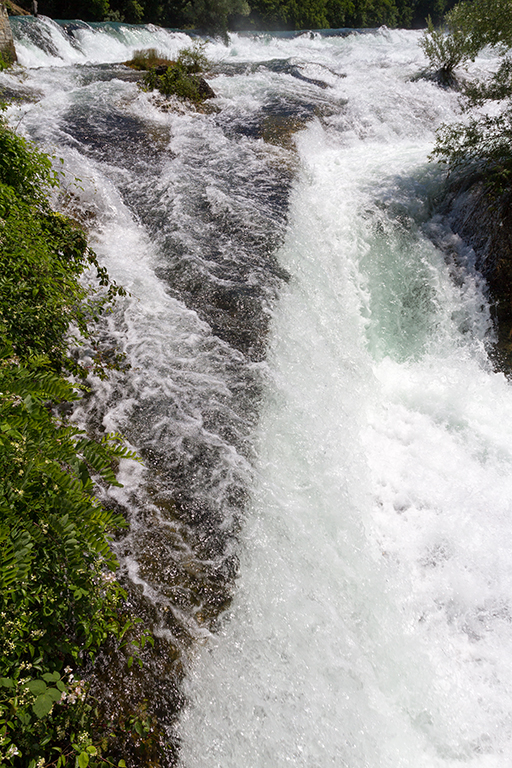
(42, 705)
(54, 694)
(51, 677)
(6, 682)
(36, 686)
(82, 760)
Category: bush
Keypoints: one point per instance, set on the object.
(59, 599)
(447, 49)
(4, 64)
(58, 603)
(146, 59)
(176, 78)
(481, 146)
(42, 256)
(468, 27)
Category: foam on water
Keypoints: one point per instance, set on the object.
(372, 621)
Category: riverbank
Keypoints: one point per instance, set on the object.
(60, 601)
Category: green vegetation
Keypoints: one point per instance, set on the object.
(3, 63)
(467, 28)
(59, 599)
(216, 17)
(213, 15)
(147, 59)
(174, 78)
(480, 146)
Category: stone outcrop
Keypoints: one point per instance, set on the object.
(7, 48)
(484, 221)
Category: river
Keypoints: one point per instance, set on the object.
(320, 534)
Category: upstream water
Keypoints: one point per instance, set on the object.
(320, 537)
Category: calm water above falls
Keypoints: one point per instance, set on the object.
(310, 389)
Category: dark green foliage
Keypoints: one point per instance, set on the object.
(87, 10)
(212, 16)
(130, 11)
(4, 64)
(57, 606)
(339, 13)
(425, 9)
(468, 27)
(447, 49)
(480, 148)
(497, 88)
(59, 600)
(27, 171)
(42, 255)
(216, 17)
(484, 22)
(192, 60)
(146, 59)
(174, 81)
(174, 78)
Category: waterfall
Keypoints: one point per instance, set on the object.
(319, 535)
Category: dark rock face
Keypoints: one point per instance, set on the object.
(484, 221)
(205, 90)
(6, 42)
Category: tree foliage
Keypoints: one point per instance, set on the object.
(216, 17)
(468, 27)
(482, 144)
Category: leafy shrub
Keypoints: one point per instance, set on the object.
(57, 604)
(174, 81)
(42, 256)
(180, 77)
(146, 59)
(447, 49)
(3, 63)
(481, 146)
(193, 60)
(59, 599)
(468, 27)
(212, 16)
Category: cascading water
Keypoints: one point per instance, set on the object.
(310, 389)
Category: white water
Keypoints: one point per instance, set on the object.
(372, 620)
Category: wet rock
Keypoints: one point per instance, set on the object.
(483, 219)
(444, 77)
(205, 90)
(7, 48)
